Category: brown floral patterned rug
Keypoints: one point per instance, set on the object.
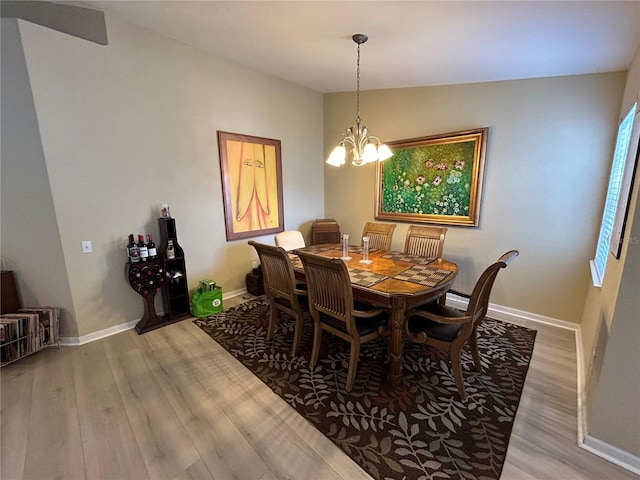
(419, 430)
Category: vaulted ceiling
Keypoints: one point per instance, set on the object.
(411, 43)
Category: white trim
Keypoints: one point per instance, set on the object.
(581, 389)
(107, 332)
(596, 279)
(512, 315)
(611, 453)
(100, 334)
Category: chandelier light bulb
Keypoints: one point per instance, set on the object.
(337, 157)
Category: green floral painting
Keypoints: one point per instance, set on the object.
(433, 179)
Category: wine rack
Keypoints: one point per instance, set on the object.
(146, 278)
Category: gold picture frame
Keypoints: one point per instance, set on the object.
(435, 179)
(251, 171)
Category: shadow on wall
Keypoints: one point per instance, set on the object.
(597, 359)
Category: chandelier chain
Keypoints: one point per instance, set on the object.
(358, 89)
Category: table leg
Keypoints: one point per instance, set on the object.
(396, 330)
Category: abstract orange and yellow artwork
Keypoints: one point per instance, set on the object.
(252, 185)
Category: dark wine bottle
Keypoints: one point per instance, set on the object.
(132, 250)
(151, 248)
(144, 252)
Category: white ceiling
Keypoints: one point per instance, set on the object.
(411, 43)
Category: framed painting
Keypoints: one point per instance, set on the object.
(251, 171)
(435, 179)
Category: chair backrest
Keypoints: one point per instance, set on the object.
(325, 230)
(425, 241)
(277, 270)
(329, 288)
(479, 300)
(379, 234)
(290, 240)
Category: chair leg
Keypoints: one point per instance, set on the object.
(273, 312)
(353, 365)
(317, 337)
(473, 346)
(297, 334)
(456, 368)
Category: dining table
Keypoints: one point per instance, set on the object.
(394, 281)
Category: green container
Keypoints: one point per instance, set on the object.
(207, 302)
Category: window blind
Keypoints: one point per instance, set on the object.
(618, 169)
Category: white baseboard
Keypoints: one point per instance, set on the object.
(512, 315)
(107, 332)
(611, 453)
(92, 337)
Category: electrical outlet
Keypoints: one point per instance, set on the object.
(86, 246)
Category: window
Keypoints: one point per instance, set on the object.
(616, 204)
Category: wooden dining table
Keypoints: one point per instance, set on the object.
(394, 281)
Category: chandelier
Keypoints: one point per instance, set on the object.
(365, 148)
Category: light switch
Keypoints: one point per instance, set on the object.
(86, 247)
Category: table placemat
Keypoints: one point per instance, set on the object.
(357, 276)
(364, 278)
(360, 250)
(405, 257)
(429, 277)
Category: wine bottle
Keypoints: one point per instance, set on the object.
(132, 250)
(171, 253)
(151, 248)
(144, 252)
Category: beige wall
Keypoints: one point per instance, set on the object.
(547, 161)
(31, 244)
(611, 328)
(126, 127)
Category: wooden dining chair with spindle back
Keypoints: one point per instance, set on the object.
(333, 310)
(380, 234)
(282, 291)
(449, 329)
(425, 241)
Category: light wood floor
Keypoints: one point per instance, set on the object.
(172, 404)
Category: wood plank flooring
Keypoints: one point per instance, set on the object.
(172, 404)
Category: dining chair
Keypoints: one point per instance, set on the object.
(283, 293)
(332, 308)
(289, 240)
(325, 230)
(425, 241)
(379, 234)
(449, 329)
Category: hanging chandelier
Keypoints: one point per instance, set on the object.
(365, 148)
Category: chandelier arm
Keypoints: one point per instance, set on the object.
(373, 137)
(350, 140)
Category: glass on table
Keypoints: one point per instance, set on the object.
(345, 247)
(365, 251)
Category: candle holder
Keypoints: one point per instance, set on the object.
(345, 247)
(365, 252)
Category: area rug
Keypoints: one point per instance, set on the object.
(418, 430)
